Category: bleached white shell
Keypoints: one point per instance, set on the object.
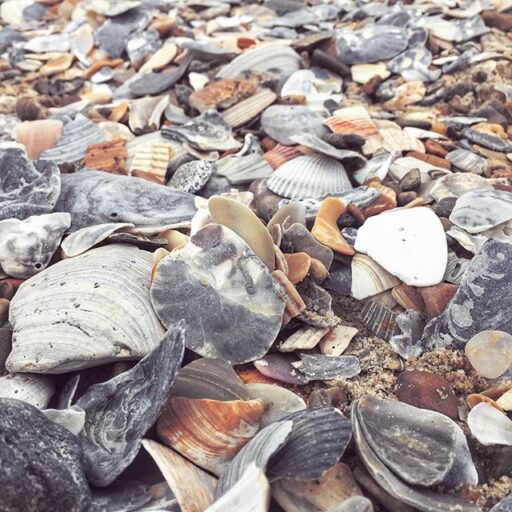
(84, 311)
(309, 176)
(410, 243)
(489, 425)
(72, 418)
(36, 390)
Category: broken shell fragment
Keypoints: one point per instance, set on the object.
(209, 432)
(38, 136)
(322, 367)
(369, 278)
(489, 425)
(36, 390)
(279, 367)
(192, 176)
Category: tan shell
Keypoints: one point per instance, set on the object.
(209, 432)
(299, 264)
(294, 303)
(221, 94)
(304, 338)
(248, 109)
(369, 278)
(437, 297)
(352, 120)
(37, 136)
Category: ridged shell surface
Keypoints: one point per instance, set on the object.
(314, 176)
(83, 312)
(36, 390)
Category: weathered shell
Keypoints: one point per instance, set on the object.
(380, 320)
(297, 238)
(36, 390)
(489, 425)
(192, 176)
(83, 312)
(321, 367)
(248, 109)
(95, 197)
(120, 411)
(280, 122)
(369, 278)
(27, 246)
(243, 169)
(467, 161)
(194, 488)
(352, 120)
(279, 367)
(218, 270)
(308, 176)
(37, 136)
(209, 432)
(121, 495)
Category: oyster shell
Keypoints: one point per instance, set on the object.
(209, 432)
(199, 272)
(35, 390)
(120, 411)
(321, 367)
(92, 317)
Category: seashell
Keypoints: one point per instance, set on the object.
(221, 94)
(408, 243)
(123, 495)
(335, 342)
(480, 210)
(251, 493)
(468, 161)
(57, 65)
(72, 419)
(297, 238)
(32, 188)
(82, 42)
(407, 344)
(352, 120)
(307, 176)
(204, 260)
(369, 278)
(414, 65)
(163, 56)
(362, 73)
(487, 141)
(107, 8)
(259, 450)
(126, 406)
(278, 401)
(243, 169)
(317, 441)
(305, 338)
(287, 215)
(377, 167)
(436, 298)
(192, 176)
(279, 367)
(103, 329)
(318, 311)
(58, 43)
(504, 401)
(490, 353)
(408, 297)
(152, 162)
(35, 390)
(280, 122)
(207, 132)
(299, 264)
(394, 139)
(276, 59)
(139, 146)
(77, 136)
(240, 218)
(380, 320)
(212, 379)
(84, 239)
(194, 488)
(371, 44)
(145, 113)
(504, 504)
(94, 197)
(28, 245)
(209, 432)
(489, 425)
(246, 110)
(354, 504)
(457, 184)
(107, 156)
(321, 367)
(326, 230)
(280, 154)
(37, 136)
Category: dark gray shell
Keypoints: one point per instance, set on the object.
(95, 197)
(121, 496)
(217, 284)
(120, 411)
(482, 302)
(26, 188)
(40, 462)
(371, 44)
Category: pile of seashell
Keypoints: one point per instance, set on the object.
(255, 256)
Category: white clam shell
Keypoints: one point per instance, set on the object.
(489, 425)
(309, 176)
(84, 311)
(36, 390)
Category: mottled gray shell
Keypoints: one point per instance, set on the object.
(217, 284)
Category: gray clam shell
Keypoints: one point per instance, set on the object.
(120, 411)
(35, 390)
(95, 197)
(80, 312)
(26, 188)
(216, 284)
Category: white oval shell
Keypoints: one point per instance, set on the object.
(309, 176)
(84, 311)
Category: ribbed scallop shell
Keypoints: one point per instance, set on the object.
(309, 176)
(209, 432)
(281, 154)
(84, 311)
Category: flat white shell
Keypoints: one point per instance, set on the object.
(489, 425)
(36, 390)
(408, 243)
(84, 311)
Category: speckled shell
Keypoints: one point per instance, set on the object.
(33, 389)
(209, 432)
(83, 312)
(309, 177)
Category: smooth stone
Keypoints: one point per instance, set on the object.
(408, 243)
(445, 206)
(490, 353)
(27, 188)
(482, 209)
(216, 284)
(482, 301)
(27, 246)
(95, 197)
(489, 425)
(120, 411)
(427, 390)
(411, 181)
(40, 462)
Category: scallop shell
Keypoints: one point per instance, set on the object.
(309, 177)
(351, 120)
(36, 390)
(243, 169)
(380, 320)
(369, 278)
(275, 59)
(38, 136)
(209, 432)
(80, 313)
(281, 154)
